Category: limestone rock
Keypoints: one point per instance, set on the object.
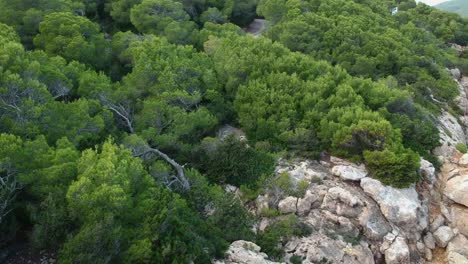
(342, 202)
(350, 172)
(398, 253)
(400, 206)
(457, 250)
(319, 247)
(374, 225)
(457, 189)
(463, 161)
(451, 133)
(429, 241)
(427, 171)
(460, 219)
(301, 170)
(456, 73)
(437, 222)
(305, 204)
(262, 203)
(443, 235)
(288, 205)
(245, 252)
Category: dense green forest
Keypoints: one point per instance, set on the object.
(456, 6)
(109, 112)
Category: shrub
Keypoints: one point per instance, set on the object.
(234, 162)
(461, 147)
(279, 233)
(398, 169)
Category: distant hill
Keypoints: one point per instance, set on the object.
(456, 6)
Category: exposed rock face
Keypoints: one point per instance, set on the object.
(244, 252)
(427, 170)
(304, 205)
(429, 241)
(456, 73)
(398, 253)
(457, 188)
(301, 171)
(288, 205)
(400, 206)
(460, 219)
(457, 250)
(451, 133)
(443, 235)
(319, 248)
(350, 172)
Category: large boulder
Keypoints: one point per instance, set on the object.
(319, 248)
(443, 235)
(400, 206)
(288, 205)
(305, 204)
(457, 189)
(457, 250)
(429, 241)
(460, 219)
(398, 252)
(342, 202)
(244, 252)
(350, 172)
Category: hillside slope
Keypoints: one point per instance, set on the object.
(457, 6)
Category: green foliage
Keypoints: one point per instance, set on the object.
(280, 232)
(74, 38)
(461, 147)
(398, 169)
(341, 76)
(234, 162)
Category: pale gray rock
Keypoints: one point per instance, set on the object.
(463, 161)
(443, 235)
(398, 253)
(288, 205)
(460, 219)
(374, 225)
(456, 73)
(342, 202)
(429, 241)
(400, 206)
(438, 221)
(457, 189)
(350, 172)
(427, 170)
(457, 250)
(319, 247)
(245, 252)
(308, 171)
(305, 204)
(261, 203)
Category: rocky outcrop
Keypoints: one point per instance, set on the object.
(460, 219)
(244, 252)
(288, 205)
(307, 170)
(457, 250)
(350, 172)
(457, 188)
(443, 235)
(319, 248)
(398, 252)
(402, 207)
